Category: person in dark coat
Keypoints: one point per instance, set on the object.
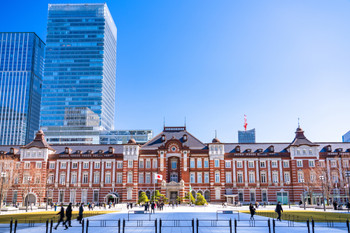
(68, 216)
(152, 207)
(252, 211)
(61, 214)
(81, 210)
(279, 210)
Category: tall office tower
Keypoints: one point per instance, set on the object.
(346, 137)
(80, 73)
(21, 67)
(247, 136)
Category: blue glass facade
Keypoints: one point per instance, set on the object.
(247, 136)
(21, 67)
(80, 64)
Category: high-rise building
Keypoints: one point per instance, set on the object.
(247, 136)
(123, 136)
(346, 137)
(80, 72)
(21, 68)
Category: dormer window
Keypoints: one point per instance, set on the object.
(12, 150)
(67, 150)
(78, 151)
(260, 150)
(89, 151)
(111, 149)
(2, 152)
(185, 137)
(238, 149)
(163, 138)
(340, 150)
(329, 149)
(271, 149)
(249, 150)
(100, 151)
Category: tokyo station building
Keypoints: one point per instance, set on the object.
(257, 172)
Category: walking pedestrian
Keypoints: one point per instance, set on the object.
(279, 210)
(80, 215)
(152, 207)
(252, 211)
(61, 214)
(68, 216)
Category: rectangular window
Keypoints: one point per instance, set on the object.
(227, 164)
(311, 163)
(287, 177)
(52, 165)
(72, 195)
(14, 199)
(206, 177)
(74, 165)
(286, 164)
(217, 177)
(240, 196)
(263, 177)
(206, 163)
(97, 165)
(108, 165)
(264, 195)
(228, 177)
(239, 164)
(61, 196)
(192, 179)
(148, 163)
(251, 164)
(26, 165)
(141, 163)
(192, 165)
(38, 165)
(130, 163)
(129, 177)
(252, 196)
(216, 163)
(217, 194)
(95, 196)
(199, 163)
(119, 177)
(274, 163)
(141, 177)
(85, 178)
(148, 178)
(174, 164)
(108, 178)
(62, 178)
(239, 177)
(300, 177)
(155, 163)
(299, 163)
(199, 177)
(74, 178)
(251, 177)
(346, 163)
(84, 196)
(262, 164)
(275, 177)
(96, 178)
(120, 164)
(86, 165)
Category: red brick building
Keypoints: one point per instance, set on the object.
(263, 172)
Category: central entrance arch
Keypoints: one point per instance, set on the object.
(30, 199)
(112, 197)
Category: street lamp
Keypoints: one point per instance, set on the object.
(27, 201)
(302, 180)
(3, 175)
(324, 204)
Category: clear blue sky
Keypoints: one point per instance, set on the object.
(214, 61)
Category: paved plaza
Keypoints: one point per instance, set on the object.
(207, 222)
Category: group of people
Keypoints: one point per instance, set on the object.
(153, 205)
(278, 210)
(68, 215)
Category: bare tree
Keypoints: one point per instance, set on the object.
(7, 169)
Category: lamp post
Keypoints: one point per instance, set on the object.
(27, 201)
(324, 204)
(302, 180)
(3, 175)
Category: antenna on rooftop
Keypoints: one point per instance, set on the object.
(298, 122)
(185, 121)
(216, 134)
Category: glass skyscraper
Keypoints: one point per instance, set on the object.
(21, 67)
(80, 73)
(247, 136)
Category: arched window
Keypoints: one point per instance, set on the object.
(207, 195)
(174, 177)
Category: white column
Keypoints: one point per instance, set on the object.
(281, 173)
(91, 174)
(113, 178)
(328, 169)
(79, 173)
(257, 173)
(57, 166)
(340, 170)
(245, 173)
(102, 171)
(268, 171)
(234, 173)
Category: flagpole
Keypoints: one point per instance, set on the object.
(154, 191)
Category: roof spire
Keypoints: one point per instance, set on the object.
(216, 134)
(298, 122)
(185, 121)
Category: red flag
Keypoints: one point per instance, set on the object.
(245, 122)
